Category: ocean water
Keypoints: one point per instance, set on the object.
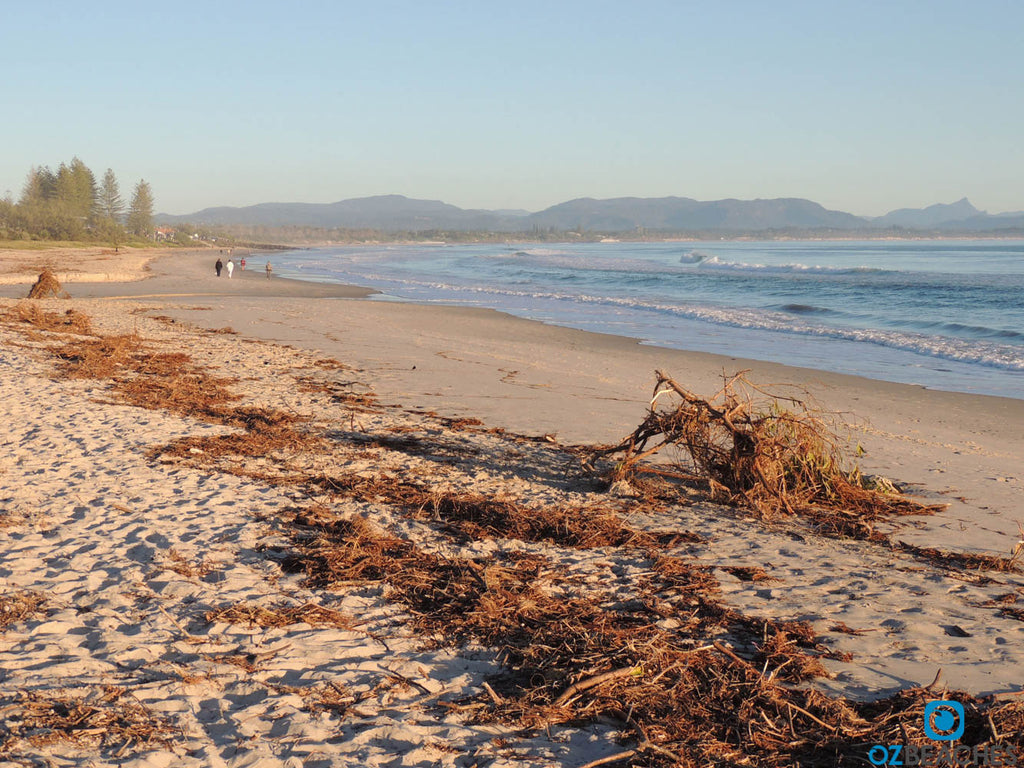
(943, 314)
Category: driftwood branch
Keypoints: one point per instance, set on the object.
(618, 757)
(591, 682)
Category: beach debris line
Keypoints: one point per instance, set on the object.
(479, 516)
(774, 454)
(687, 680)
(170, 381)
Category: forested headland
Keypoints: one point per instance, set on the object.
(69, 204)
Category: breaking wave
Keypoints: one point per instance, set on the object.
(974, 350)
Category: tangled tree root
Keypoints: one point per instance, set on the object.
(46, 285)
(773, 454)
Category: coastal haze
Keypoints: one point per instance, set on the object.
(865, 109)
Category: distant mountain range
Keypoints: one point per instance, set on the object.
(395, 213)
(960, 215)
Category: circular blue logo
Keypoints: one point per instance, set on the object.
(944, 720)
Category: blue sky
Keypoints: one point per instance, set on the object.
(863, 107)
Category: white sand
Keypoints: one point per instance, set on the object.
(99, 528)
(101, 531)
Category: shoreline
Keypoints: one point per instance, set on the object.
(798, 334)
(520, 374)
(168, 284)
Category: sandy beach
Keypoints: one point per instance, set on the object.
(179, 568)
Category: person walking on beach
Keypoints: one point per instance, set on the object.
(242, 264)
(269, 270)
(231, 268)
(218, 266)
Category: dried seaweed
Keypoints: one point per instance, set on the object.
(177, 563)
(747, 573)
(70, 321)
(170, 381)
(279, 616)
(18, 606)
(97, 358)
(328, 697)
(977, 561)
(344, 393)
(659, 666)
(477, 515)
(105, 717)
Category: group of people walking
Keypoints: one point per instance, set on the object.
(230, 267)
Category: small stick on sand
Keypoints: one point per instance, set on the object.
(805, 712)
(1006, 695)
(729, 652)
(934, 683)
(175, 622)
(992, 727)
(493, 694)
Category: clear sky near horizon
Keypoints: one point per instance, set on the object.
(862, 107)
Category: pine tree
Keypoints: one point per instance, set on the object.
(111, 204)
(40, 186)
(140, 211)
(76, 191)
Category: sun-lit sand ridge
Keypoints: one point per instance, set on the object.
(185, 553)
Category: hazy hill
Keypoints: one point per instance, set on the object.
(396, 213)
(929, 218)
(671, 214)
(386, 212)
(676, 214)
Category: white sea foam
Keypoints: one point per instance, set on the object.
(686, 264)
(713, 262)
(1005, 356)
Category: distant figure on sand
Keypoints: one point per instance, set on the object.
(269, 270)
(231, 267)
(242, 264)
(218, 266)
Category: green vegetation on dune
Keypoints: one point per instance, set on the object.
(69, 206)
